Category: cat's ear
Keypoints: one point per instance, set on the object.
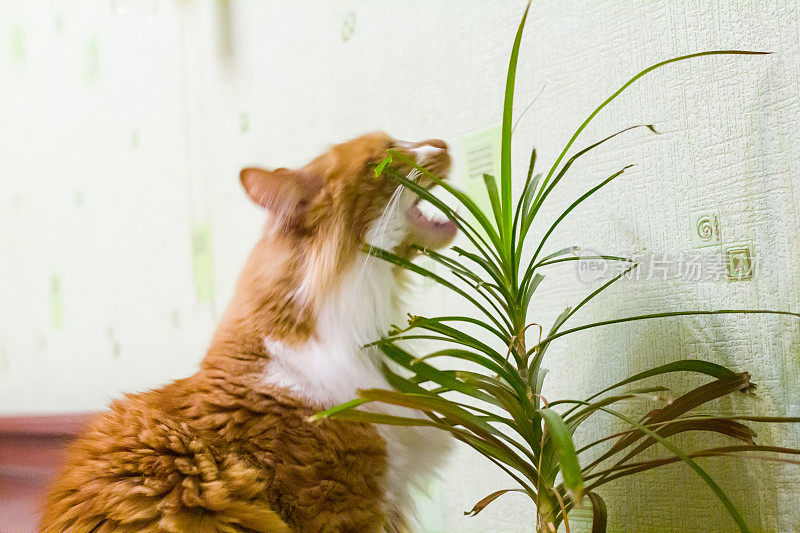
(284, 193)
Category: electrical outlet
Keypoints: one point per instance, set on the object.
(740, 260)
(705, 229)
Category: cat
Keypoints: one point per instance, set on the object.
(231, 448)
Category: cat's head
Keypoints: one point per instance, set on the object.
(335, 204)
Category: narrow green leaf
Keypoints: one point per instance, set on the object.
(426, 371)
(523, 207)
(518, 406)
(468, 320)
(456, 267)
(730, 428)
(505, 143)
(668, 314)
(505, 371)
(354, 415)
(574, 420)
(544, 262)
(494, 200)
(529, 289)
(436, 338)
(565, 453)
(492, 269)
(523, 203)
(337, 409)
(559, 253)
(380, 166)
(437, 325)
(486, 436)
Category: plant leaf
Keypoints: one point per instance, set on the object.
(481, 505)
(505, 142)
(486, 437)
(668, 314)
(565, 453)
(430, 373)
(599, 512)
(494, 200)
(380, 166)
(492, 269)
(337, 409)
(437, 325)
(523, 203)
(506, 371)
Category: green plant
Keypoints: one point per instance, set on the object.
(500, 411)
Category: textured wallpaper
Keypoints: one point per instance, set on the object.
(123, 227)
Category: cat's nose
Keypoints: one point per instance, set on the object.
(425, 150)
(426, 146)
(436, 143)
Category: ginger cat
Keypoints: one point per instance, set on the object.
(230, 448)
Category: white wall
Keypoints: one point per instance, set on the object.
(124, 124)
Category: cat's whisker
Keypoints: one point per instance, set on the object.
(382, 224)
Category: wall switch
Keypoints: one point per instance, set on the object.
(740, 260)
(705, 229)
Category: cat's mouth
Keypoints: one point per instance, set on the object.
(428, 226)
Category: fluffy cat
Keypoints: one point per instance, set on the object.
(230, 448)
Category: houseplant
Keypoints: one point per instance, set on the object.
(500, 411)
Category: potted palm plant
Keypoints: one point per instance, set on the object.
(500, 410)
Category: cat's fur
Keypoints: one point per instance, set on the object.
(231, 448)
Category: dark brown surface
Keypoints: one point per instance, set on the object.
(31, 451)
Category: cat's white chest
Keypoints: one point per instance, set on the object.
(330, 368)
(332, 377)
